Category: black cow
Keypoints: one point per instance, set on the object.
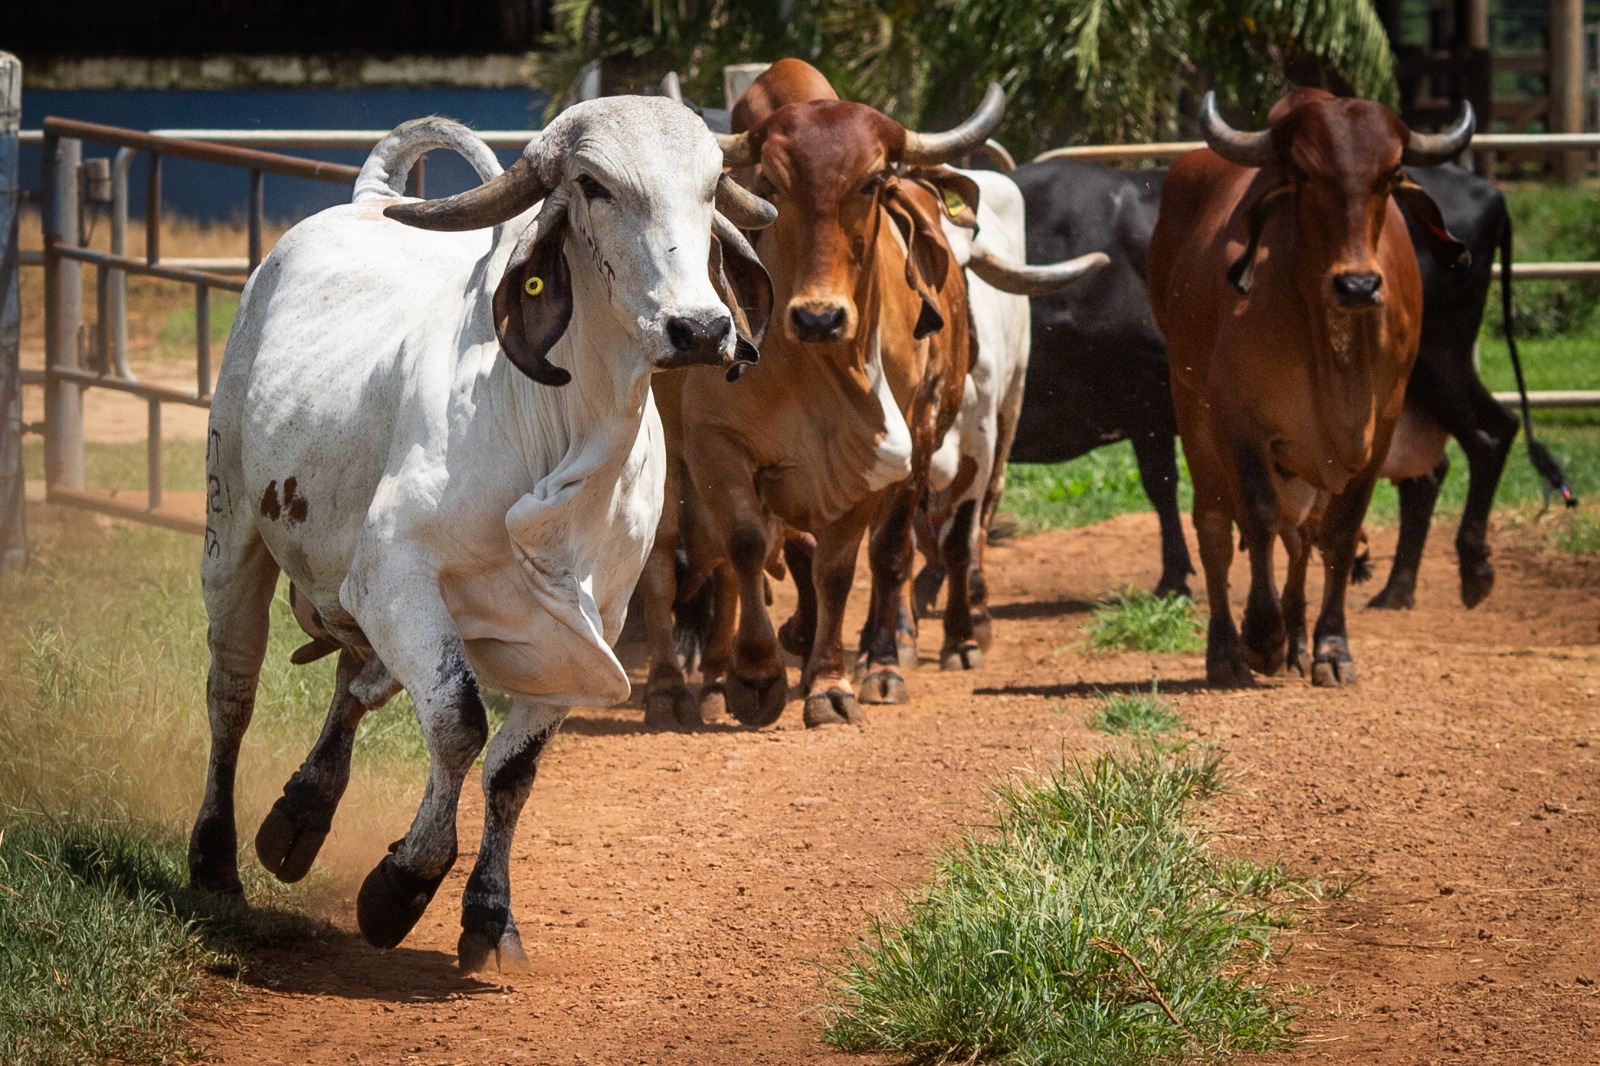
(1098, 370)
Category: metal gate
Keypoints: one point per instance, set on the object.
(82, 355)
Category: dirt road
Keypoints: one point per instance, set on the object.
(675, 891)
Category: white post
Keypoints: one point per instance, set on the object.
(736, 78)
(13, 526)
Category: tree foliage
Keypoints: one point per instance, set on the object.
(1073, 70)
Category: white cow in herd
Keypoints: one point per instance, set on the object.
(447, 442)
(968, 471)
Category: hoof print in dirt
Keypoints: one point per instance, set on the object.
(835, 707)
(967, 656)
(883, 685)
(391, 901)
(290, 837)
(756, 703)
(670, 709)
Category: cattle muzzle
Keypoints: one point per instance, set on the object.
(1356, 289)
(820, 321)
(697, 341)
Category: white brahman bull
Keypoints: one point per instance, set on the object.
(968, 471)
(447, 441)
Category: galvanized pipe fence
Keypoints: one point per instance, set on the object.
(77, 358)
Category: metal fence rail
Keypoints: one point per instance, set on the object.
(76, 358)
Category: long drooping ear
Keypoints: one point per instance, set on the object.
(958, 192)
(745, 286)
(533, 302)
(1451, 253)
(927, 256)
(1264, 191)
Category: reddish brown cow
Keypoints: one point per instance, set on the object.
(832, 431)
(1283, 277)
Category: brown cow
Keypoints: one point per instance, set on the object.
(1283, 277)
(832, 431)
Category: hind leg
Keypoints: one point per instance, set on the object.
(293, 831)
(1417, 498)
(238, 578)
(487, 926)
(1158, 473)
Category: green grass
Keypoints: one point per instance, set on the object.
(105, 947)
(1137, 620)
(124, 468)
(103, 728)
(1092, 925)
(176, 339)
(1134, 712)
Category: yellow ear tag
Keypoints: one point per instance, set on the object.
(953, 204)
(533, 286)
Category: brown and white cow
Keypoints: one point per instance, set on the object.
(859, 379)
(1283, 277)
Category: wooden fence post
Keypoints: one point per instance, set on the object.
(13, 526)
(1566, 81)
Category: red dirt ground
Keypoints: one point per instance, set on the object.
(676, 891)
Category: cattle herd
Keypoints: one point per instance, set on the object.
(651, 355)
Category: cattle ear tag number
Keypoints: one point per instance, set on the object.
(533, 286)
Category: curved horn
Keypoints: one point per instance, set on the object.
(670, 87)
(742, 207)
(1236, 146)
(490, 204)
(737, 151)
(1025, 280)
(1431, 149)
(930, 149)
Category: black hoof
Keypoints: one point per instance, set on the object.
(671, 707)
(965, 656)
(834, 707)
(214, 858)
(925, 590)
(1230, 671)
(391, 901)
(795, 640)
(1173, 586)
(488, 933)
(225, 885)
(883, 684)
(290, 837)
(713, 703)
(756, 703)
(1265, 643)
(1394, 598)
(1476, 584)
(1332, 667)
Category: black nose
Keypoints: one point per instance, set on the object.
(698, 340)
(1357, 290)
(818, 325)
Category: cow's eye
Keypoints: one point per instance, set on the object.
(765, 189)
(873, 184)
(591, 189)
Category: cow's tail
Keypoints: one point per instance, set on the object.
(383, 176)
(1543, 461)
(694, 618)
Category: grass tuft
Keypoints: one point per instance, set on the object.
(106, 946)
(1578, 532)
(1092, 925)
(1134, 712)
(1136, 620)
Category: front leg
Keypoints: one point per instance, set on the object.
(1331, 665)
(1417, 498)
(1265, 639)
(509, 767)
(889, 638)
(830, 699)
(413, 633)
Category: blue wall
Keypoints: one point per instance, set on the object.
(209, 193)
